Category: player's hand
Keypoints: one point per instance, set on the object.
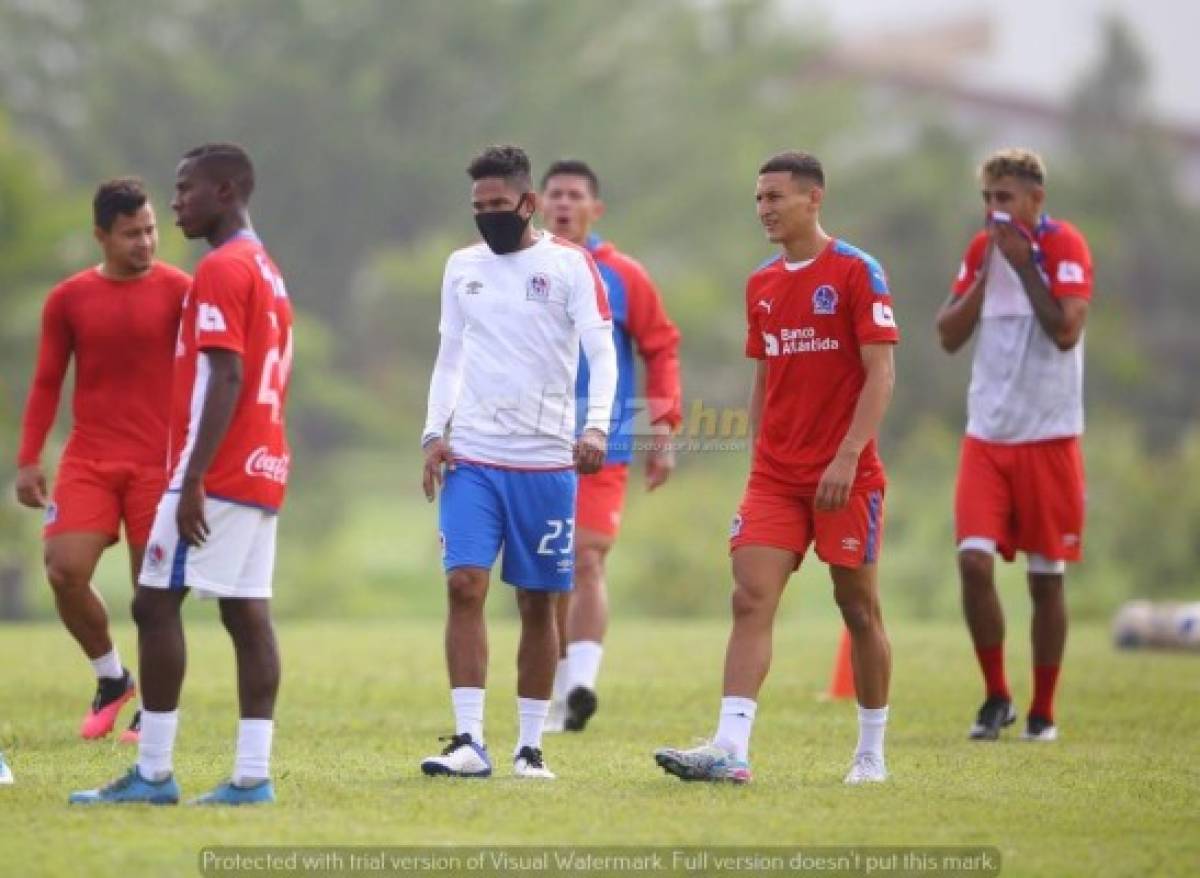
(660, 463)
(589, 451)
(31, 486)
(437, 455)
(189, 515)
(1016, 247)
(833, 492)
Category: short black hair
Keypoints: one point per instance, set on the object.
(123, 196)
(573, 168)
(511, 163)
(798, 164)
(225, 162)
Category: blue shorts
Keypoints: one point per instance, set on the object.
(531, 513)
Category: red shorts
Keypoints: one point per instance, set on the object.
(1027, 497)
(850, 537)
(95, 496)
(601, 498)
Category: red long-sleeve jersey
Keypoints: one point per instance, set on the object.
(122, 334)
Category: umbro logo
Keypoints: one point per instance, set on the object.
(473, 288)
(765, 304)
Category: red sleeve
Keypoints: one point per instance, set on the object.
(54, 353)
(971, 265)
(871, 306)
(657, 340)
(1068, 264)
(756, 348)
(223, 289)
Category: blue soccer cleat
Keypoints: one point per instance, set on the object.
(229, 793)
(708, 762)
(5, 773)
(131, 789)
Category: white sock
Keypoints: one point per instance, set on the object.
(468, 712)
(734, 725)
(562, 681)
(872, 723)
(108, 665)
(532, 715)
(583, 658)
(156, 743)
(253, 760)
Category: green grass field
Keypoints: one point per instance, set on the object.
(363, 702)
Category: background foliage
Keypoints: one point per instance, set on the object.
(362, 116)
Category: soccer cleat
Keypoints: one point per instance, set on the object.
(529, 763)
(1038, 728)
(866, 768)
(6, 776)
(462, 757)
(556, 718)
(581, 704)
(706, 762)
(130, 789)
(111, 695)
(133, 734)
(995, 713)
(229, 793)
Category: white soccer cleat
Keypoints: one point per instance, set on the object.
(461, 758)
(6, 775)
(867, 768)
(556, 719)
(529, 763)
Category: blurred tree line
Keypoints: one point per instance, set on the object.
(361, 117)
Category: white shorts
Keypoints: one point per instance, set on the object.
(236, 561)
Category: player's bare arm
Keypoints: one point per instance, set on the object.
(224, 388)
(958, 317)
(438, 459)
(1061, 319)
(590, 450)
(758, 393)
(660, 460)
(833, 492)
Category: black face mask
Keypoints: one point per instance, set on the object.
(502, 229)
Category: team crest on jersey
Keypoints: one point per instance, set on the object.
(51, 514)
(473, 288)
(825, 300)
(537, 288)
(155, 556)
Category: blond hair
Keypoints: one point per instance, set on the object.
(1024, 164)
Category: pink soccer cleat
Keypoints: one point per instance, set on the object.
(111, 695)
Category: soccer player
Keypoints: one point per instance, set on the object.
(119, 321)
(1025, 282)
(822, 332)
(571, 205)
(516, 309)
(214, 531)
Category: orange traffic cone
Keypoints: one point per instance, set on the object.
(841, 684)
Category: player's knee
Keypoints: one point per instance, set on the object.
(148, 608)
(749, 601)
(536, 606)
(975, 567)
(858, 612)
(465, 589)
(589, 566)
(64, 577)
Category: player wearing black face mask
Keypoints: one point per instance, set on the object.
(504, 231)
